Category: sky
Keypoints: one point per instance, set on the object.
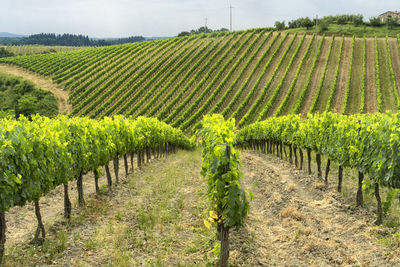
(150, 18)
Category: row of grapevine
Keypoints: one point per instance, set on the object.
(38, 155)
(91, 79)
(347, 93)
(178, 78)
(263, 113)
(392, 77)
(241, 76)
(377, 77)
(236, 98)
(306, 86)
(321, 81)
(200, 64)
(334, 85)
(120, 73)
(366, 142)
(220, 164)
(209, 64)
(239, 48)
(176, 66)
(214, 73)
(143, 84)
(213, 96)
(279, 110)
(364, 69)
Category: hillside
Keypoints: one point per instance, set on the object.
(249, 75)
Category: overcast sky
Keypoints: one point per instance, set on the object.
(121, 18)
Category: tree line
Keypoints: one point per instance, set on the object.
(67, 39)
(344, 19)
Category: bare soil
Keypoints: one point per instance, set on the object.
(338, 99)
(42, 82)
(156, 215)
(295, 221)
(329, 76)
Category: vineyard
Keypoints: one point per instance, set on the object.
(22, 50)
(249, 75)
(293, 100)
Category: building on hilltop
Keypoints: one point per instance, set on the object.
(390, 14)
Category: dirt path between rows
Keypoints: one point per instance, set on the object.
(156, 219)
(338, 99)
(316, 77)
(42, 82)
(294, 222)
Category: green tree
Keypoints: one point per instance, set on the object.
(27, 106)
(307, 22)
(5, 53)
(392, 22)
(375, 22)
(280, 25)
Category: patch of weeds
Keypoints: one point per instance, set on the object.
(118, 216)
(52, 247)
(90, 244)
(190, 250)
(146, 219)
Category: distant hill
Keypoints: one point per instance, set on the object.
(11, 35)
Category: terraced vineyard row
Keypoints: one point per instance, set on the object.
(249, 75)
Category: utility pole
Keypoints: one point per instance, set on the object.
(206, 22)
(230, 8)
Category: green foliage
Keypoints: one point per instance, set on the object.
(5, 53)
(21, 97)
(367, 142)
(280, 25)
(227, 197)
(375, 22)
(39, 154)
(307, 22)
(323, 26)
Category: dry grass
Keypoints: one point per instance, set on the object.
(291, 212)
(290, 187)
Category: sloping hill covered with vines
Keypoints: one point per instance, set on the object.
(249, 75)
